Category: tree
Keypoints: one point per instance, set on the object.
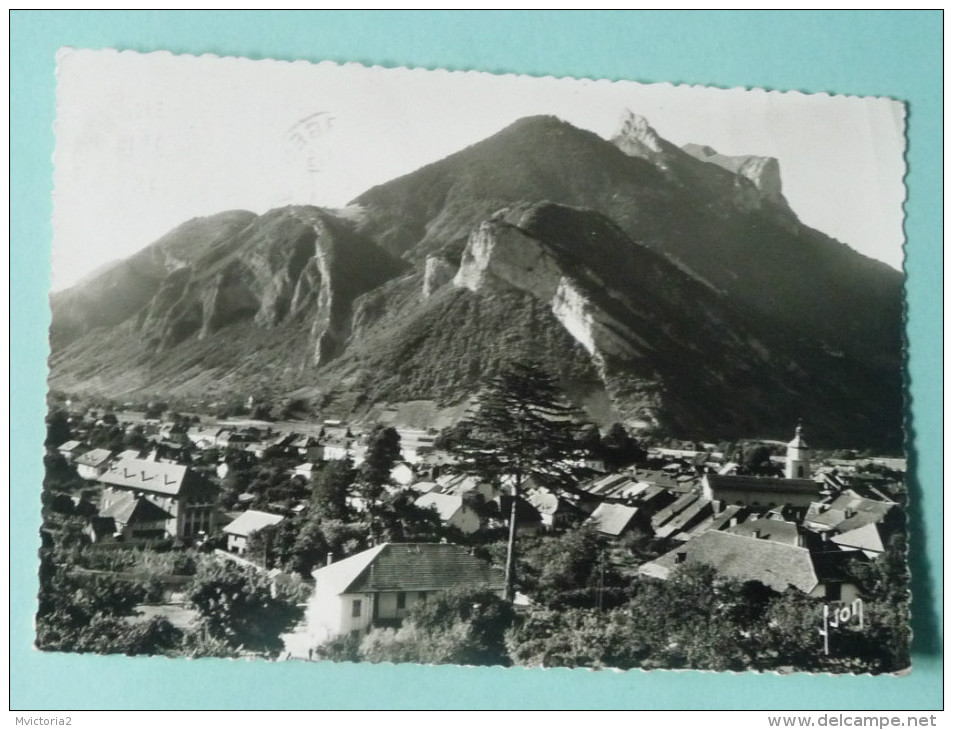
(237, 605)
(757, 459)
(399, 519)
(572, 570)
(578, 637)
(521, 427)
(383, 451)
(273, 545)
(135, 438)
(329, 489)
(57, 427)
(619, 448)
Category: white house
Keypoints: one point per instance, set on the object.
(452, 510)
(244, 526)
(379, 586)
(92, 464)
(70, 449)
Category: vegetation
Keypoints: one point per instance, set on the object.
(239, 606)
(455, 627)
(521, 428)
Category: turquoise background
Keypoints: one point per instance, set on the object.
(891, 53)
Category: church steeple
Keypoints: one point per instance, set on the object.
(798, 464)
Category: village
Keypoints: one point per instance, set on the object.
(356, 527)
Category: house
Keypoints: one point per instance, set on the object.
(529, 521)
(682, 523)
(70, 450)
(134, 519)
(307, 446)
(871, 539)
(453, 511)
(377, 587)
(92, 464)
(728, 517)
(306, 470)
(756, 491)
(244, 526)
(665, 514)
(185, 494)
(337, 449)
(777, 530)
(615, 520)
(777, 565)
(460, 484)
(848, 512)
(203, 437)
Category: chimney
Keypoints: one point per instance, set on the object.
(733, 521)
(680, 557)
(330, 557)
(756, 534)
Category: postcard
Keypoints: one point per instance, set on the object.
(401, 365)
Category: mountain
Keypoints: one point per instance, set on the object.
(673, 288)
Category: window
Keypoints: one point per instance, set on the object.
(356, 608)
(401, 601)
(834, 591)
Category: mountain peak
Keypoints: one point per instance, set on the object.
(636, 136)
(764, 172)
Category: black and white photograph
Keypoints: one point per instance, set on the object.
(392, 365)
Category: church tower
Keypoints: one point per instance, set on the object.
(798, 465)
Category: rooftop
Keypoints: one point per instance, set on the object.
(409, 567)
(612, 519)
(251, 521)
(761, 484)
(774, 564)
(149, 476)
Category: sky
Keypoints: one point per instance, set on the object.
(145, 142)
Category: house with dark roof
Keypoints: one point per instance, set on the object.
(378, 587)
(821, 573)
(763, 492)
(130, 519)
(848, 512)
(185, 494)
(680, 524)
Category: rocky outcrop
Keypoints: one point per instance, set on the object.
(764, 172)
(498, 251)
(437, 272)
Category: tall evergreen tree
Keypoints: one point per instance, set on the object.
(383, 451)
(522, 426)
